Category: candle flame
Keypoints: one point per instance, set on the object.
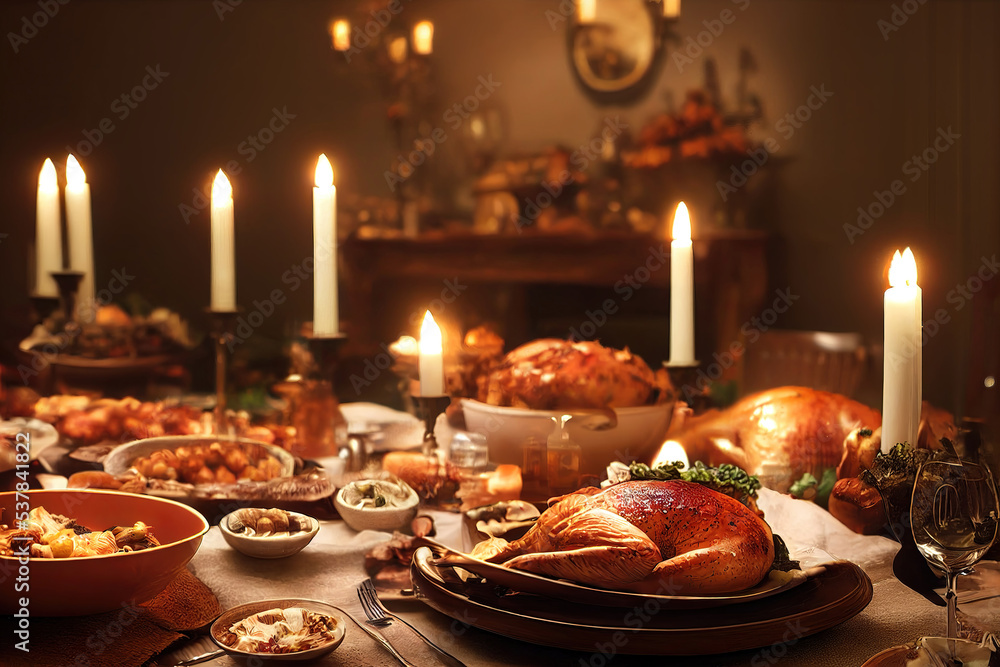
(430, 335)
(341, 31)
(423, 38)
(682, 224)
(407, 345)
(47, 179)
(75, 176)
(586, 11)
(397, 50)
(221, 188)
(903, 269)
(324, 172)
(671, 452)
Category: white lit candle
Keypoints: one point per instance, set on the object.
(325, 251)
(902, 379)
(671, 9)
(681, 289)
(341, 35)
(423, 38)
(586, 11)
(431, 359)
(223, 250)
(81, 237)
(48, 232)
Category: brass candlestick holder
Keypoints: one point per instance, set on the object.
(684, 377)
(68, 283)
(221, 330)
(429, 408)
(43, 307)
(320, 426)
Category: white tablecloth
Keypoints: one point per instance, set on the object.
(332, 565)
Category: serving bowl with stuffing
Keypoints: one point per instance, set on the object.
(95, 573)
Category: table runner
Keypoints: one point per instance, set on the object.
(129, 636)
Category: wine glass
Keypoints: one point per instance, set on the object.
(953, 514)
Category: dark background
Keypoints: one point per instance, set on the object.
(227, 73)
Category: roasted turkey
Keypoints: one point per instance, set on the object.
(778, 434)
(553, 374)
(660, 537)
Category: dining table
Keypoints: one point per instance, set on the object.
(332, 566)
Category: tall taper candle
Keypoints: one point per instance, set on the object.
(681, 289)
(223, 247)
(431, 358)
(325, 315)
(81, 237)
(903, 354)
(48, 232)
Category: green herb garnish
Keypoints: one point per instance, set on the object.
(726, 478)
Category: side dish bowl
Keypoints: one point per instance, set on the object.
(279, 546)
(94, 584)
(240, 612)
(387, 518)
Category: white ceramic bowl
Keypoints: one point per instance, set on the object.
(639, 431)
(237, 614)
(378, 518)
(270, 547)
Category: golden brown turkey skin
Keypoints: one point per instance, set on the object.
(675, 538)
(778, 434)
(553, 374)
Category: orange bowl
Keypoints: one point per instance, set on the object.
(94, 584)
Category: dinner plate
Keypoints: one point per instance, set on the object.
(926, 650)
(238, 613)
(838, 593)
(383, 428)
(528, 582)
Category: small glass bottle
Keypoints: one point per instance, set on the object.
(563, 459)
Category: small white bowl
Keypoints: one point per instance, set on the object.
(269, 547)
(377, 518)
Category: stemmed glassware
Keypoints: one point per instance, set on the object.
(953, 514)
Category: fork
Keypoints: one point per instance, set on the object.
(377, 614)
(380, 617)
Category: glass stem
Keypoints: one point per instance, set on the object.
(951, 597)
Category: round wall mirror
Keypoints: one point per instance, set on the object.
(613, 47)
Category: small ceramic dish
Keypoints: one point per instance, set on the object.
(399, 509)
(268, 545)
(220, 629)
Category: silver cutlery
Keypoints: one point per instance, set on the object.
(390, 626)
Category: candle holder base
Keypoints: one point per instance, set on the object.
(221, 330)
(684, 378)
(429, 408)
(43, 307)
(325, 351)
(68, 283)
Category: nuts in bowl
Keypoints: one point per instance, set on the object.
(268, 533)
